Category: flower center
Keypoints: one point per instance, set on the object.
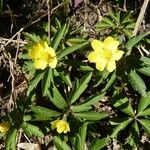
(107, 54)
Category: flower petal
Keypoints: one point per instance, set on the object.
(40, 64)
(93, 57)
(53, 63)
(118, 55)
(101, 64)
(111, 44)
(51, 51)
(97, 45)
(111, 65)
(59, 130)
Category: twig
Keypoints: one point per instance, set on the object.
(18, 46)
(49, 20)
(140, 17)
(9, 41)
(13, 41)
(11, 102)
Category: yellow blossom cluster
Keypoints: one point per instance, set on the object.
(60, 126)
(42, 55)
(105, 54)
(4, 127)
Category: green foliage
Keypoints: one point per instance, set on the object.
(11, 139)
(117, 22)
(75, 92)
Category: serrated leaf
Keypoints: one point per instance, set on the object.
(80, 108)
(115, 17)
(76, 40)
(132, 42)
(108, 21)
(144, 102)
(32, 37)
(120, 127)
(47, 78)
(41, 113)
(146, 125)
(58, 37)
(133, 138)
(99, 144)
(94, 99)
(65, 77)
(102, 25)
(116, 121)
(32, 130)
(127, 32)
(109, 83)
(83, 85)
(91, 115)
(146, 60)
(145, 71)
(34, 82)
(78, 142)
(123, 104)
(56, 98)
(82, 133)
(145, 112)
(71, 49)
(137, 82)
(11, 140)
(61, 145)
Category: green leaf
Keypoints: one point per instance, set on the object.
(146, 125)
(91, 115)
(32, 37)
(56, 98)
(144, 102)
(65, 77)
(78, 142)
(132, 42)
(127, 33)
(58, 37)
(76, 40)
(82, 133)
(80, 108)
(120, 127)
(109, 83)
(137, 82)
(83, 85)
(61, 145)
(115, 17)
(94, 99)
(123, 104)
(145, 71)
(108, 21)
(133, 138)
(69, 50)
(146, 60)
(41, 113)
(11, 140)
(99, 144)
(34, 82)
(32, 130)
(47, 78)
(145, 112)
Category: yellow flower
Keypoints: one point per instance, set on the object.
(4, 127)
(42, 55)
(61, 126)
(105, 54)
